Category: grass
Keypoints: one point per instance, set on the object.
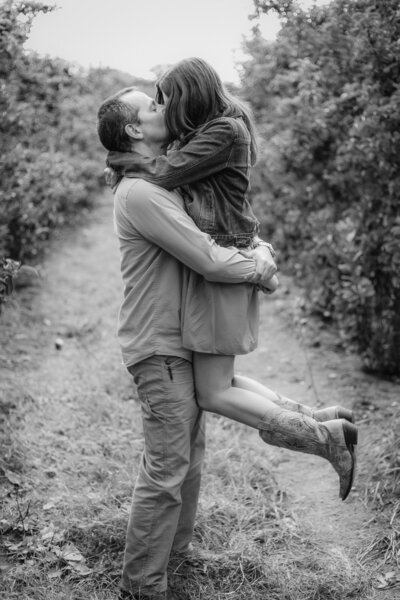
(376, 402)
(382, 493)
(68, 477)
(70, 443)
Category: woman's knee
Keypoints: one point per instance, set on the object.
(237, 381)
(208, 398)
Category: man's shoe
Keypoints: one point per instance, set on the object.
(125, 595)
(192, 556)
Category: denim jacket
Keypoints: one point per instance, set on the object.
(212, 172)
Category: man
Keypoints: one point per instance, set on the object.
(158, 241)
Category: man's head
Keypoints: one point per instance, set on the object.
(129, 117)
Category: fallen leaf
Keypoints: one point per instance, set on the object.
(47, 533)
(71, 554)
(54, 574)
(11, 546)
(81, 569)
(13, 478)
(387, 580)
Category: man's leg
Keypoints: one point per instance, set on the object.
(170, 416)
(191, 488)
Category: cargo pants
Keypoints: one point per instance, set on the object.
(166, 492)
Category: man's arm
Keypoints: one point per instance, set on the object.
(160, 217)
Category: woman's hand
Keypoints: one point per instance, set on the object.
(271, 285)
(112, 177)
(265, 265)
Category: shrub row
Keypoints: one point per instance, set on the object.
(326, 94)
(51, 161)
(44, 179)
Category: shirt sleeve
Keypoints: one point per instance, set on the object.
(160, 217)
(205, 154)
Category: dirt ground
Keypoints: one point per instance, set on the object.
(64, 331)
(300, 358)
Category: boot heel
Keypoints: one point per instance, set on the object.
(350, 433)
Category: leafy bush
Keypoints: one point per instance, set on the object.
(51, 162)
(326, 94)
(8, 270)
(35, 203)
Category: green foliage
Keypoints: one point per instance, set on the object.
(8, 270)
(51, 162)
(31, 216)
(43, 180)
(326, 94)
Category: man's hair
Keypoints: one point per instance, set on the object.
(112, 117)
(197, 95)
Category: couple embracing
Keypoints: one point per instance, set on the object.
(193, 268)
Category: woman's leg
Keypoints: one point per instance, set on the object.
(246, 383)
(243, 399)
(213, 376)
(321, 414)
(333, 439)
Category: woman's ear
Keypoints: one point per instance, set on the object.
(134, 131)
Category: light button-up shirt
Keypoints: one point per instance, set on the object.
(159, 242)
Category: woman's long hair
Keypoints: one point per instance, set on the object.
(197, 95)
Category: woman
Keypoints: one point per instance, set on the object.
(215, 149)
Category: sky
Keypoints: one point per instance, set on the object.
(137, 35)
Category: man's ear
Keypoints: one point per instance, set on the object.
(133, 131)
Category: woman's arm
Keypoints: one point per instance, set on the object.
(205, 154)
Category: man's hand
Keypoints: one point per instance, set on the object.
(265, 264)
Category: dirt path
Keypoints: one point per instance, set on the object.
(284, 365)
(300, 359)
(66, 334)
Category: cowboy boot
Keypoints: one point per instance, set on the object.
(333, 440)
(323, 414)
(333, 412)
